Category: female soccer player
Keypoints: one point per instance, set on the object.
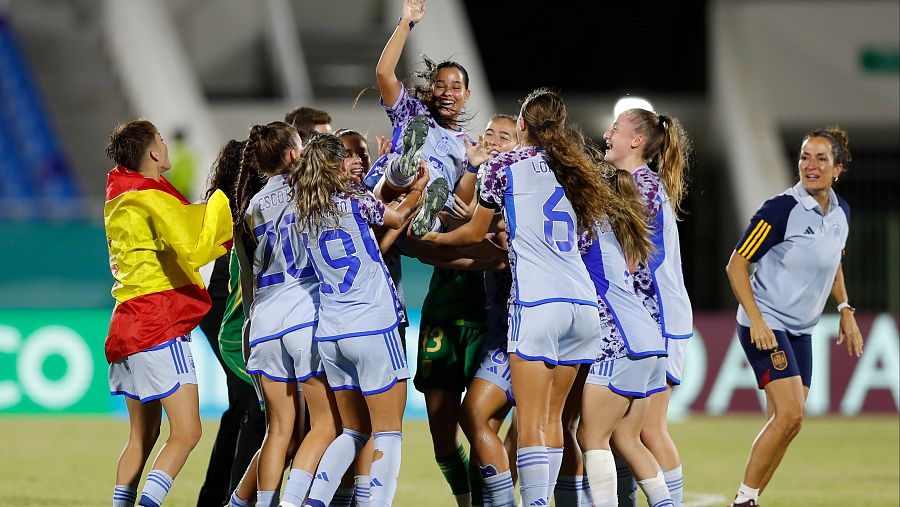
(243, 424)
(157, 242)
(426, 124)
(631, 365)
(796, 240)
(283, 319)
(545, 189)
(637, 140)
(358, 315)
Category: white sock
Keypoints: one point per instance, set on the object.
(656, 491)
(745, 493)
(675, 483)
(600, 467)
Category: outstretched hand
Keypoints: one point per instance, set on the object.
(384, 145)
(477, 152)
(413, 10)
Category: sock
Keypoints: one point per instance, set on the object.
(745, 493)
(498, 487)
(675, 483)
(570, 491)
(454, 467)
(393, 175)
(601, 472)
(336, 460)
(155, 489)
(124, 496)
(476, 484)
(385, 470)
(656, 491)
(626, 487)
(343, 497)
(237, 501)
(363, 490)
(554, 457)
(267, 498)
(297, 486)
(534, 473)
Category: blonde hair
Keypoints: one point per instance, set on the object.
(315, 181)
(668, 147)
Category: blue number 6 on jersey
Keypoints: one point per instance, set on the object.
(554, 216)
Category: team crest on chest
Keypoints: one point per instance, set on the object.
(779, 360)
(443, 148)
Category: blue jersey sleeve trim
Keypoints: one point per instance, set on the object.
(844, 206)
(767, 227)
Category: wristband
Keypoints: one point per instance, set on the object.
(845, 304)
(411, 23)
(471, 168)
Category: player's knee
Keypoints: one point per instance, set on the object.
(791, 420)
(188, 436)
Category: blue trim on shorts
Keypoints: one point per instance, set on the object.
(167, 343)
(671, 378)
(555, 300)
(163, 395)
(282, 333)
(353, 335)
(124, 393)
(573, 362)
(383, 389)
(272, 377)
(536, 358)
(678, 336)
(643, 355)
(635, 394)
(318, 373)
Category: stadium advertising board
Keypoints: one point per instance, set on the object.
(53, 361)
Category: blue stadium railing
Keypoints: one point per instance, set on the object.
(36, 180)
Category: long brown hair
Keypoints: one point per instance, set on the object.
(579, 173)
(315, 181)
(668, 148)
(225, 172)
(263, 155)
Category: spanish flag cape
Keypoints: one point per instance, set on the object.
(157, 242)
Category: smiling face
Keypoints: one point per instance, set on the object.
(356, 163)
(500, 136)
(449, 92)
(816, 165)
(621, 140)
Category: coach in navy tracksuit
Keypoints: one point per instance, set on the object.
(796, 241)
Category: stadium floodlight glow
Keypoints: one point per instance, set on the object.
(626, 103)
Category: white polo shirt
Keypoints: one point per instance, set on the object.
(796, 250)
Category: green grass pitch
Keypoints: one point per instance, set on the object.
(70, 461)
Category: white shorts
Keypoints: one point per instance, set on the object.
(675, 364)
(637, 378)
(368, 363)
(293, 357)
(556, 333)
(154, 373)
(495, 369)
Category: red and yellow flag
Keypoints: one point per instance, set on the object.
(157, 242)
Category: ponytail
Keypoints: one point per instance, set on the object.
(668, 147)
(579, 174)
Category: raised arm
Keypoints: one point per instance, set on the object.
(386, 70)
(848, 329)
(467, 234)
(738, 270)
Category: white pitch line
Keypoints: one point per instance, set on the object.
(704, 500)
